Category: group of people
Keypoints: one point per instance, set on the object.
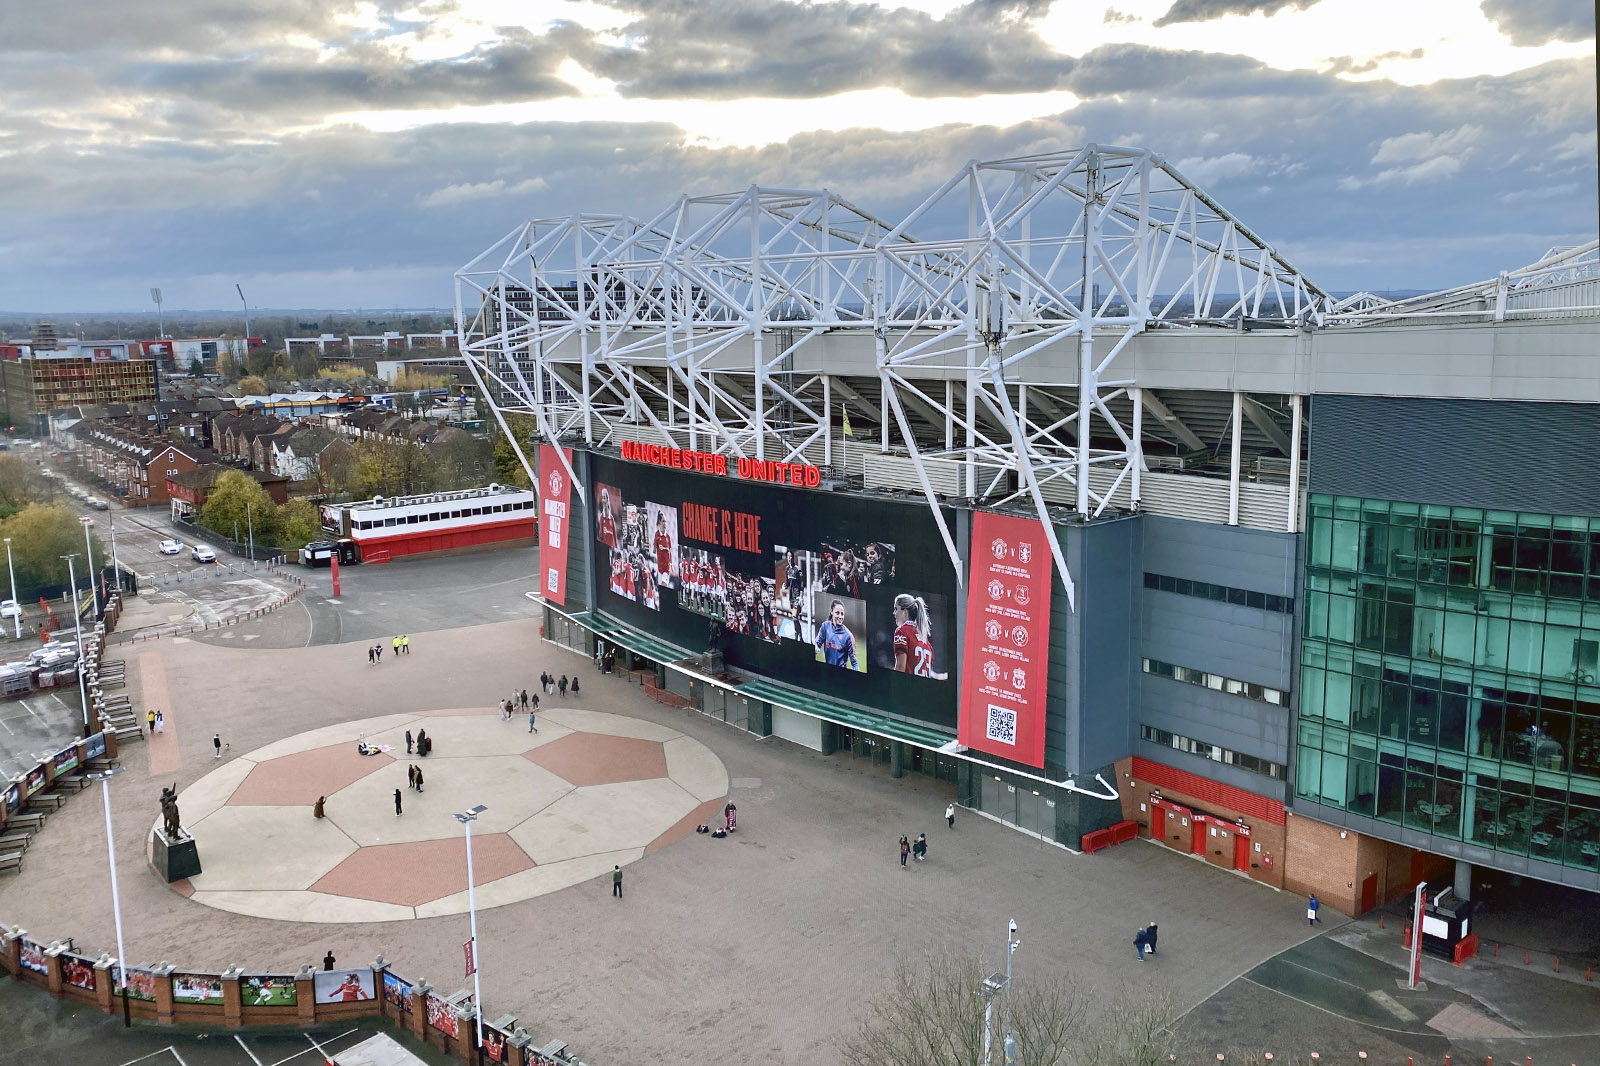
(548, 682)
(730, 822)
(1145, 940)
(414, 774)
(401, 645)
(423, 744)
(913, 849)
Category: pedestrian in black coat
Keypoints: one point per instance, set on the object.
(562, 685)
(397, 803)
(1150, 937)
(408, 742)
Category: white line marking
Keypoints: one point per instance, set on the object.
(247, 1051)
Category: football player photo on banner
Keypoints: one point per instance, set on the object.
(1007, 639)
(555, 495)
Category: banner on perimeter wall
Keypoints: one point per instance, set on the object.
(555, 493)
(1007, 639)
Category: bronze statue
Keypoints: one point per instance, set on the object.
(169, 812)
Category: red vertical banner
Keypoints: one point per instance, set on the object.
(555, 494)
(1007, 639)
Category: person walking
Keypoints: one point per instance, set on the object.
(1150, 937)
(534, 704)
(408, 742)
(523, 698)
(950, 814)
(419, 779)
(1141, 940)
(531, 727)
(411, 775)
(150, 717)
(550, 684)
(161, 722)
(1311, 910)
(405, 643)
(216, 742)
(920, 848)
(397, 803)
(397, 646)
(574, 684)
(905, 851)
(377, 649)
(616, 881)
(370, 657)
(563, 686)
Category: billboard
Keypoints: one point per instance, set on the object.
(342, 986)
(1007, 639)
(555, 496)
(196, 988)
(269, 990)
(848, 596)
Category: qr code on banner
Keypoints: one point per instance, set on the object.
(1002, 725)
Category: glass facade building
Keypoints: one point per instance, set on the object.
(1450, 674)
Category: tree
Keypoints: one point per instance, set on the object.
(508, 469)
(40, 535)
(20, 484)
(298, 522)
(252, 385)
(238, 501)
(932, 1015)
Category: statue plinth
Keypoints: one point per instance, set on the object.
(175, 857)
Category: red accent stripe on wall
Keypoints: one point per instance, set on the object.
(1208, 791)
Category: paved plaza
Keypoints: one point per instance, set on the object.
(764, 946)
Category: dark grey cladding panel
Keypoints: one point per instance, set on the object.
(1250, 559)
(1233, 722)
(1107, 613)
(1498, 455)
(1243, 643)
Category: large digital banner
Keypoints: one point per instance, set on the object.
(844, 595)
(555, 495)
(1008, 639)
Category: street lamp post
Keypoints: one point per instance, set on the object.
(104, 778)
(94, 593)
(466, 819)
(77, 619)
(13, 571)
(993, 985)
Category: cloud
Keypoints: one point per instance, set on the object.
(450, 195)
(1409, 147)
(1534, 22)
(1113, 17)
(1210, 170)
(1579, 145)
(1206, 10)
(780, 48)
(1367, 64)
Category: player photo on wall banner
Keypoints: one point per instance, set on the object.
(1008, 633)
(396, 992)
(78, 972)
(196, 988)
(442, 1016)
(269, 990)
(343, 986)
(848, 596)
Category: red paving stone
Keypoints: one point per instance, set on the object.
(708, 813)
(593, 759)
(182, 887)
(296, 780)
(410, 875)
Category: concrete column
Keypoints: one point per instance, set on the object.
(163, 976)
(13, 951)
(53, 979)
(105, 983)
(419, 1010)
(232, 1002)
(897, 759)
(305, 996)
(1463, 885)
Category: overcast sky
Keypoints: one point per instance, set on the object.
(349, 153)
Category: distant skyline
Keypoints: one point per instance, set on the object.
(344, 153)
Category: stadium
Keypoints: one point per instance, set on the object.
(1069, 489)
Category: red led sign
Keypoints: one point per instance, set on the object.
(801, 474)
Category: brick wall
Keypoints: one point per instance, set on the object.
(1336, 866)
(1206, 797)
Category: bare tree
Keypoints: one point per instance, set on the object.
(932, 1015)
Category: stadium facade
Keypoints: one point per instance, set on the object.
(1068, 489)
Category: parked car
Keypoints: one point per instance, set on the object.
(170, 547)
(203, 554)
(10, 609)
(98, 504)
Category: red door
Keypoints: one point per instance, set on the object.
(1158, 822)
(1369, 893)
(1198, 847)
(1241, 852)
